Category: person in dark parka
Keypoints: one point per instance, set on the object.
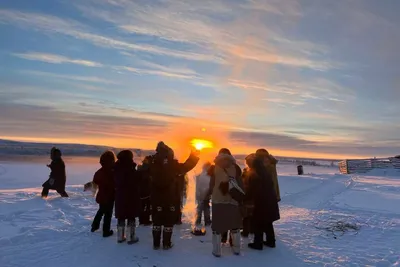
(164, 170)
(266, 210)
(104, 179)
(143, 169)
(248, 205)
(127, 196)
(58, 177)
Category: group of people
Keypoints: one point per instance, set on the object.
(255, 214)
(157, 186)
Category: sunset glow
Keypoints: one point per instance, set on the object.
(199, 144)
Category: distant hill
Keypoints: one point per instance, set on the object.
(9, 147)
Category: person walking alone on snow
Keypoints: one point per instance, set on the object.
(127, 197)
(202, 197)
(58, 177)
(104, 178)
(164, 170)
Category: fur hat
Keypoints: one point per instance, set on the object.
(224, 151)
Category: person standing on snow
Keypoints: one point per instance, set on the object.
(226, 214)
(270, 163)
(266, 209)
(127, 196)
(144, 218)
(164, 170)
(248, 205)
(104, 178)
(58, 177)
(203, 200)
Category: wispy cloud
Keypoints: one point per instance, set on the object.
(56, 59)
(245, 37)
(90, 79)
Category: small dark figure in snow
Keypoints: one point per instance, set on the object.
(266, 210)
(104, 179)
(127, 196)
(144, 218)
(164, 170)
(58, 177)
(202, 196)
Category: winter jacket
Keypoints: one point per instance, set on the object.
(220, 174)
(127, 195)
(58, 177)
(104, 178)
(271, 168)
(164, 172)
(262, 193)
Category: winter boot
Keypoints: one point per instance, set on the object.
(167, 235)
(108, 233)
(258, 242)
(216, 241)
(156, 237)
(235, 237)
(131, 237)
(121, 234)
(270, 243)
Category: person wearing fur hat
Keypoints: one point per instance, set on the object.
(104, 179)
(226, 214)
(127, 197)
(164, 170)
(58, 177)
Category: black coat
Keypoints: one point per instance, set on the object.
(127, 194)
(164, 173)
(58, 177)
(262, 193)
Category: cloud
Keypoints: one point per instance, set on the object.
(52, 24)
(56, 59)
(287, 142)
(90, 79)
(246, 36)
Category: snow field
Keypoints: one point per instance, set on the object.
(56, 231)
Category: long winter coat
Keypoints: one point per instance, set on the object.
(262, 193)
(104, 178)
(248, 205)
(127, 194)
(226, 214)
(164, 172)
(271, 168)
(57, 174)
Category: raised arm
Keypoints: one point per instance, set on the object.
(189, 164)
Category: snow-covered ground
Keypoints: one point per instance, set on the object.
(56, 232)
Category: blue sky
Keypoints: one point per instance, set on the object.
(296, 77)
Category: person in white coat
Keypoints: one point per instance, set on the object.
(202, 197)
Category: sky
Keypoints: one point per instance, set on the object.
(300, 78)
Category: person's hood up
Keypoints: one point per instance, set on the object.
(224, 160)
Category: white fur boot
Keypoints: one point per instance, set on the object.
(216, 241)
(236, 239)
